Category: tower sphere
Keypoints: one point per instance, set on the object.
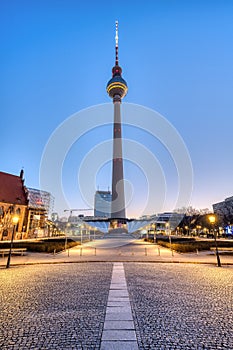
(117, 86)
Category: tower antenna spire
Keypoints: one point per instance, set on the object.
(116, 40)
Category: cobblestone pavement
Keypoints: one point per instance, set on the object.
(62, 306)
(53, 306)
(181, 306)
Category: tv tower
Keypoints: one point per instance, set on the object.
(117, 89)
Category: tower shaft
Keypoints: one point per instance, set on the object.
(117, 89)
(118, 193)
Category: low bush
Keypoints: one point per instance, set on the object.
(187, 245)
(43, 245)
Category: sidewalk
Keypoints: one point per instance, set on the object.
(136, 251)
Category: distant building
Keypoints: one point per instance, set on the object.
(74, 219)
(13, 201)
(31, 205)
(63, 219)
(165, 222)
(40, 200)
(102, 207)
(54, 217)
(192, 211)
(224, 209)
(40, 205)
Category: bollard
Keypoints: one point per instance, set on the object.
(145, 251)
(172, 252)
(68, 252)
(54, 251)
(81, 251)
(197, 251)
(158, 251)
(95, 251)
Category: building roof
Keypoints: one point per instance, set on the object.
(12, 189)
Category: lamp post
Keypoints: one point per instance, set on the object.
(67, 232)
(212, 220)
(198, 227)
(15, 221)
(81, 232)
(168, 233)
(154, 226)
(94, 232)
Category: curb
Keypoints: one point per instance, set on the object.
(114, 261)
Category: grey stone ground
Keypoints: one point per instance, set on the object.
(62, 306)
(181, 306)
(53, 306)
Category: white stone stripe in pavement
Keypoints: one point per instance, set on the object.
(119, 331)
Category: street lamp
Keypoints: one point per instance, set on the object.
(67, 232)
(212, 220)
(198, 227)
(167, 227)
(94, 232)
(168, 232)
(15, 221)
(81, 232)
(154, 226)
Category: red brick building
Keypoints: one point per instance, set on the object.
(13, 201)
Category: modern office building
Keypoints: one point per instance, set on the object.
(102, 206)
(40, 199)
(40, 205)
(117, 89)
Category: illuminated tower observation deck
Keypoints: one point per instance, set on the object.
(117, 89)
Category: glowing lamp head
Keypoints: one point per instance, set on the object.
(212, 219)
(15, 220)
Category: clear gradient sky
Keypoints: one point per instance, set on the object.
(177, 58)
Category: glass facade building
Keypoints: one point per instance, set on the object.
(102, 207)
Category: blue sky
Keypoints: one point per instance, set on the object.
(176, 58)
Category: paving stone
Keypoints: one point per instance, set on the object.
(118, 316)
(118, 309)
(118, 280)
(118, 285)
(119, 345)
(118, 293)
(125, 303)
(118, 325)
(125, 298)
(118, 335)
